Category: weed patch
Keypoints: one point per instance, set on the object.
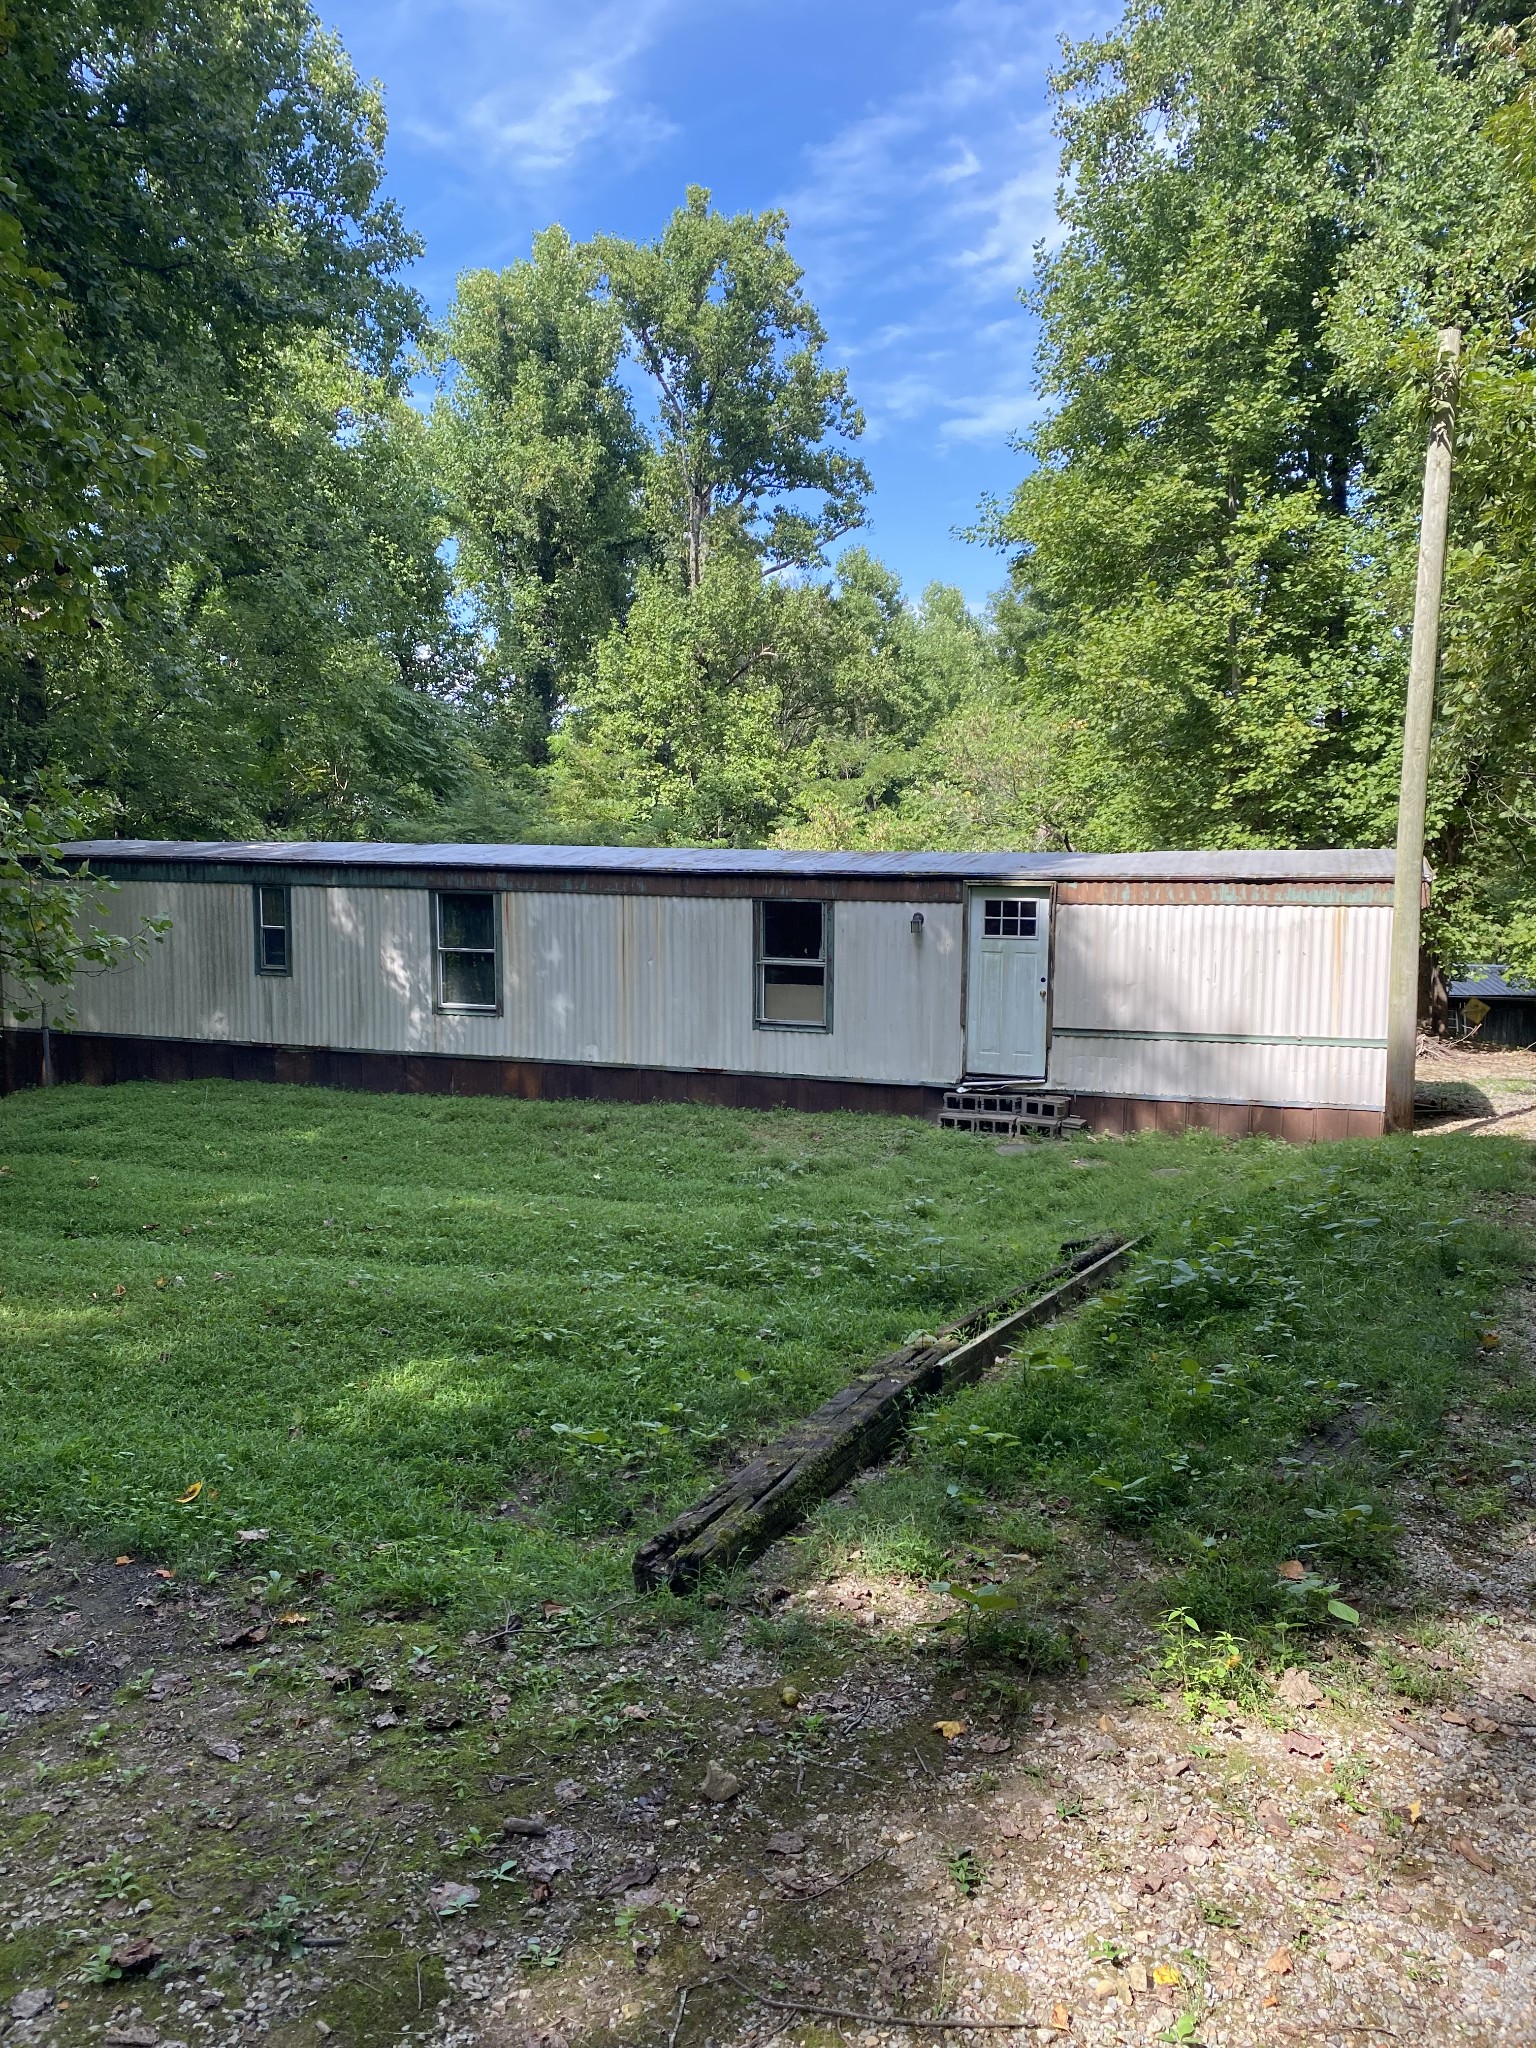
(1244, 1407)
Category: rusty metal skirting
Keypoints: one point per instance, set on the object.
(1119, 1115)
(102, 1059)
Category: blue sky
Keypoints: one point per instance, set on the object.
(909, 145)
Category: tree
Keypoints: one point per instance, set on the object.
(71, 476)
(541, 462)
(749, 417)
(750, 709)
(196, 183)
(679, 734)
(1268, 211)
(1211, 619)
(1483, 786)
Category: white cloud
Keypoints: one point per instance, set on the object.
(922, 215)
(995, 415)
(564, 85)
(1017, 217)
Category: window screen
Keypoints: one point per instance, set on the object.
(466, 950)
(274, 934)
(1009, 917)
(793, 966)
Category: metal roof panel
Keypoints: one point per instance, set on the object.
(1225, 865)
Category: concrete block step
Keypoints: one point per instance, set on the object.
(1031, 1102)
(982, 1121)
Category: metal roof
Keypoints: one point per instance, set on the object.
(1491, 983)
(1262, 865)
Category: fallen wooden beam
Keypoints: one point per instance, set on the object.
(756, 1505)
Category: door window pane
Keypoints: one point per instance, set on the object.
(466, 950)
(1009, 917)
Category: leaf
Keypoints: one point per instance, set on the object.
(1342, 1612)
(449, 1898)
(1303, 1745)
(193, 1490)
(238, 1639)
(1470, 1853)
(1298, 1688)
(292, 1620)
(137, 1955)
(950, 1729)
(1280, 1964)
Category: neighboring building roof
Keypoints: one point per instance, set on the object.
(1491, 983)
(1225, 866)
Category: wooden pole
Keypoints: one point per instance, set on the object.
(1413, 794)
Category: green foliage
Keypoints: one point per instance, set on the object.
(750, 420)
(540, 457)
(278, 1930)
(623, 573)
(53, 913)
(746, 708)
(289, 679)
(248, 631)
(71, 475)
(1242, 1406)
(1268, 212)
(98, 1966)
(679, 734)
(1202, 600)
(1209, 1670)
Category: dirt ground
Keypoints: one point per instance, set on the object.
(1464, 1087)
(787, 1821)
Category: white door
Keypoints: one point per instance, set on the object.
(1006, 980)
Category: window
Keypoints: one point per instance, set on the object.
(794, 966)
(466, 950)
(1009, 917)
(274, 928)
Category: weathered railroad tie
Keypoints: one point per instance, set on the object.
(756, 1505)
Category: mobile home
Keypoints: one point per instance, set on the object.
(1246, 991)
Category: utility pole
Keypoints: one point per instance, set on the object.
(1408, 881)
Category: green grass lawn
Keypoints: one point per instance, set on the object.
(464, 1353)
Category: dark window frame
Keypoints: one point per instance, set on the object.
(762, 959)
(439, 1001)
(260, 927)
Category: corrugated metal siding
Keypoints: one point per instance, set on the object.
(666, 981)
(1192, 983)
(618, 980)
